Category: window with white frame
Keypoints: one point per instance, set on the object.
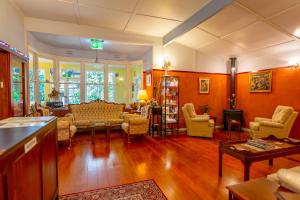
(31, 79)
(94, 82)
(116, 83)
(69, 84)
(105, 81)
(45, 78)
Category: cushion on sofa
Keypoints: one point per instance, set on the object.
(282, 113)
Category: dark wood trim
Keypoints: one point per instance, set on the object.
(190, 72)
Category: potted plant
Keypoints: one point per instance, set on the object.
(205, 109)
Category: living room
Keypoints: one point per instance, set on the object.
(148, 99)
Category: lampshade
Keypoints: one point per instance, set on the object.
(142, 95)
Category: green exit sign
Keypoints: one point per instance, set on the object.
(96, 44)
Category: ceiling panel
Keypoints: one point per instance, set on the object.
(123, 5)
(266, 8)
(257, 35)
(289, 20)
(223, 49)
(171, 9)
(96, 16)
(228, 20)
(150, 25)
(48, 9)
(196, 38)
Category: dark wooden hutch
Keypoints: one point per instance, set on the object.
(12, 82)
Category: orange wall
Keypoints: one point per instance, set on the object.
(189, 91)
(285, 91)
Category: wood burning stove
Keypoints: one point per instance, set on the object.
(232, 113)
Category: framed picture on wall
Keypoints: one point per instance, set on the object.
(148, 80)
(204, 85)
(261, 81)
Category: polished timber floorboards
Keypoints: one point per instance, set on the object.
(183, 167)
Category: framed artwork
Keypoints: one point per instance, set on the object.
(148, 80)
(204, 85)
(261, 81)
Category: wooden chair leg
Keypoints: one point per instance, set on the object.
(128, 138)
(70, 143)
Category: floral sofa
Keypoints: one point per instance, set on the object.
(85, 114)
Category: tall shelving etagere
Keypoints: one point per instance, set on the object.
(169, 99)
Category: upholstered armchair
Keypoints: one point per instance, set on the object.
(135, 124)
(66, 129)
(279, 125)
(197, 125)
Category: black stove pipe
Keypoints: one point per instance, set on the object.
(232, 82)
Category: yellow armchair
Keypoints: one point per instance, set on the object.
(279, 125)
(65, 129)
(135, 124)
(197, 125)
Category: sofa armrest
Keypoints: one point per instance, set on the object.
(271, 124)
(259, 119)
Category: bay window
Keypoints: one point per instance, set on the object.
(45, 78)
(31, 80)
(136, 81)
(116, 83)
(94, 82)
(69, 85)
(83, 81)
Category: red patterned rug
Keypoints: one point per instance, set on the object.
(143, 190)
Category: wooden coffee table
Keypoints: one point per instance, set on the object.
(261, 189)
(250, 155)
(107, 125)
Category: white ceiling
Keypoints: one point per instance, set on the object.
(242, 28)
(70, 42)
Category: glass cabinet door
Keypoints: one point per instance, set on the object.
(17, 93)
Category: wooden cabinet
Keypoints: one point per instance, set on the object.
(49, 165)
(30, 174)
(12, 83)
(24, 176)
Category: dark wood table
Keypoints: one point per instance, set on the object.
(247, 156)
(261, 189)
(107, 125)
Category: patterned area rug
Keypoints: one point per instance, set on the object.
(143, 190)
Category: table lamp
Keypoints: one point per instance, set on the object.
(142, 96)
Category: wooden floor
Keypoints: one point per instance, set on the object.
(183, 167)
